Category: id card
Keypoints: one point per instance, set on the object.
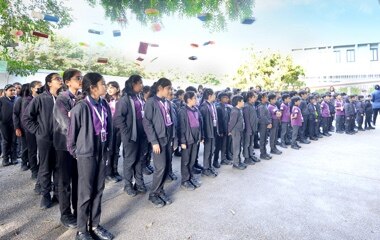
(214, 122)
(103, 135)
(142, 114)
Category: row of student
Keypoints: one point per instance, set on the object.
(85, 126)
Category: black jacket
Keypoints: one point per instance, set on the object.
(208, 125)
(17, 113)
(236, 123)
(304, 109)
(125, 118)
(264, 115)
(313, 111)
(250, 119)
(6, 111)
(185, 134)
(223, 118)
(24, 110)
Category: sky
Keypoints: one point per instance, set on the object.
(281, 26)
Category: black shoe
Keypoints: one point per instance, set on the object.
(276, 151)
(340, 132)
(165, 198)
(102, 233)
(226, 162)
(197, 165)
(283, 145)
(299, 146)
(112, 178)
(34, 176)
(45, 202)
(305, 141)
(156, 201)
(196, 171)
(295, 147)
(130, 190)
(83, 236)
(257, 146)
(265, 157)
(320, 136)
(6, 163)
(208, 173)
(249, 161)
(239, 166)
(54, 200)
(147, 171)
(69, 221)
(288, 143)
(14, 161)
(314, 138)
(171, 177)
(350, 133)
(216, 164)
(24, 167)
(213, 170)
(361, 129)
(195, 182)
(326, 134)
(140, 188)
(188, 186)
(269, 156)
(37, 189)
(255, 159)
(118, 176)
(177, 154)
(370, 127)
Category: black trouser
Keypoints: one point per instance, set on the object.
(91, 178)
(375, 113)
(9, 144)
(285, 132)
(248, 151)
(188, 160)
(350, 124)
(339, 123)
(295, 134)
(47, 167)
(209, 144)
(303, 129)
(161, 163)
(256, 139)
(263, 130)
(331, 120)
(368, 118)
(135, 155)
(67, 175)
(229, 148)
(220, 146)
(113, 154)
(273, 134)
(148, 156)
(236, 147)
(31, 144)
(24, 149)
(325, 124)
(359, 120)
(311, 125)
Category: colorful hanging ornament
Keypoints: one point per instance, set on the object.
(102, 60)
(45, 17)
(93, 31)
(116, 33)
(151, 12)
(156, 27)
(193, 58)
(248, 21)
(39, 34)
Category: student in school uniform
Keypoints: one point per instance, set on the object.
(112, 97)
(285, 120)
(67, 170)
(190, 134)
(235, 130)
(18, 127)
(39, 121)
(128, 119)
(325, 114)
(9, 147)
(349, 113)
(331, 104)
(89, 136)
(179, 103)
(222, 138)
(251, 127)
(296, 121)
(147, 167)
(305, 114)
(229, 138)
(313, 118)
(160, 130)
(275, 114)
(171, 175)
(339, 114)
(368, 113)
(31, 142)
(210, 129)
(319, 113)
(265, 124)
(360, 111)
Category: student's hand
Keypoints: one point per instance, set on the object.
(229, 134)
(183, 146)
(18, 132)
(156, 148)
(269, 126)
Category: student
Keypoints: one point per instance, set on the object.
(147, 167)
(210, 129)
(265, 124)
(179, 103)
(31, 141)
(313, 118)
(190, 125)
(67, 170)
(222, 138)
(251, 127)
(235, 130)
(159, 128)
(275, 114)
(305, 114)
(19, 128)
(368, 113)
(325, 115)
(9, 147)
(89, 136)
(319, 113)
(171, 176)
(129, 121)
(285, 120)
(39, 121)
(339, 113)
(349, 113)
(360, 110)
(229, 138)
(296, 121)
(112, 97)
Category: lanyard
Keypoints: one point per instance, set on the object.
(165, 106)
(100, 117)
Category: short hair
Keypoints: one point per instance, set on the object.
(191, 88)
(222, 95)
(189, 95)
(271, 96)
(360, 97)
(249, 95)
(179, 93)
(352, 96)
(292, 93)
(285, 96)
(295, 99)
(262, 95)
(311, 98)
(302, 92)
(236, 99)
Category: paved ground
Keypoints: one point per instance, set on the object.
(328, 190)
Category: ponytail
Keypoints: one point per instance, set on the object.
(162, 82)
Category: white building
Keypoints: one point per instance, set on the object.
(339, 64)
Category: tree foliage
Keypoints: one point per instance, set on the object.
(272, 71)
